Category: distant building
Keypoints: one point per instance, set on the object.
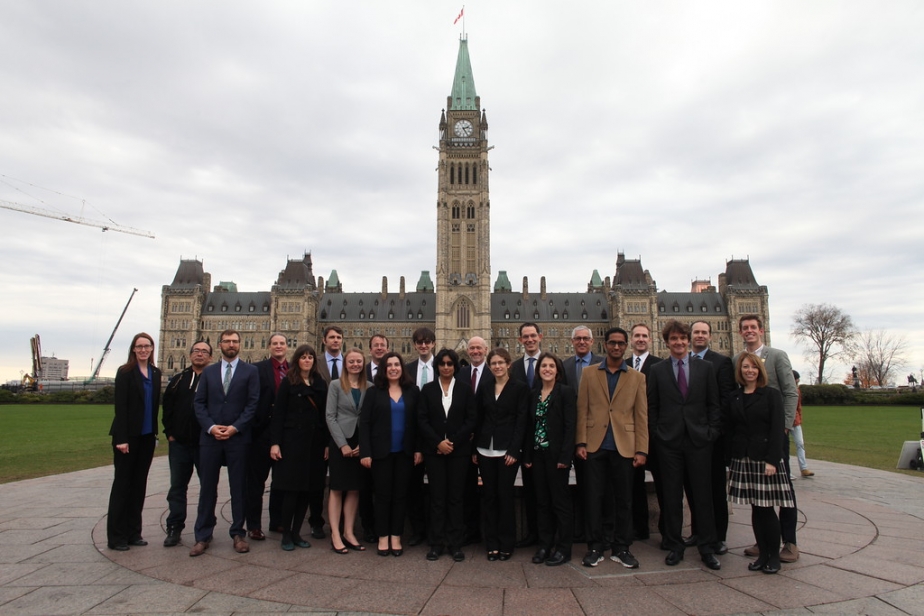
(54, 369)
(458, 302)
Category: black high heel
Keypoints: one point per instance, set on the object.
(338, 550)
(354, 546)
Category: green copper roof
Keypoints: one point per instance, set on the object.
(333, 282)
(595, 279)
(502, 285)
(463, 84)
(425, 285)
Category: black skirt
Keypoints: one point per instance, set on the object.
(345, 473)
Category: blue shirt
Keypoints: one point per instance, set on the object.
(147, 424)
(397, 425)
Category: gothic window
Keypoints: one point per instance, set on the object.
(474, 174)
(452, 174)
(463, 316)
(470, 211)
(170, 363)
(470, 227)
(466, 174)
(183, 363)
(455, 227)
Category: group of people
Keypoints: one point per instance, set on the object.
(385, 428)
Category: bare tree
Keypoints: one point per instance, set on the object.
(879, 354)
(825, 330)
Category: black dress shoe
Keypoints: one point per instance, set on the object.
(711, 561)
(173, 536)
(118, 547)
(435, 552)
(317, 532)
(673, 558)
(138, 542)
(504, 555)
(720, 548)
(768, 568)
(691, 541)
(458, 555)
(558, 558)
(527, 541)
(492, 556)
(540, 556)
(757, 565)
(416, 539)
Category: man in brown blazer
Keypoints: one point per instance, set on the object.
(612, 437)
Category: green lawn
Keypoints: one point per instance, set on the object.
(40, 439)
(37, 440)
(869, 436)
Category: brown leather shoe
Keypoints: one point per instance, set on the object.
(789, 553)
(752, 550)
(257, 535)
(199, 548)
(240, 545)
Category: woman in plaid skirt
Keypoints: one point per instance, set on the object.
(757, 472)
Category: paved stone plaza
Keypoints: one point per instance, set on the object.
(861, 535)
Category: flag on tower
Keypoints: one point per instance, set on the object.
(462, 12)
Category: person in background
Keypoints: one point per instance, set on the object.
(797, 432)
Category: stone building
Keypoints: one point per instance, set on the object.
(458, 302)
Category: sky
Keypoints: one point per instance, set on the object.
(245, 133)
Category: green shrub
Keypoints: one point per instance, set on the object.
(106, 395)
(7, 397)
(826, 395)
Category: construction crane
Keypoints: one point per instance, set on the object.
(37, 211)
(108, 342)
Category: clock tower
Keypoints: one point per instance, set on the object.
(463, 228)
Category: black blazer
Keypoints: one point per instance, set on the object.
(465, 374)
(503, 419)
(264, 414)
(434, 423)
(650, 361)
(670, 417)
(518, 371)
(375, 423)
(724, 372)
(756, 428)
(568, 364)
(129, 403)
(561, 422)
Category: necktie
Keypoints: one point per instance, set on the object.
(334, 373)
(227, 382)
(681, 379)
(474, 377)
(423, 376)
(638, 363)
(531, 371)
(283, 368)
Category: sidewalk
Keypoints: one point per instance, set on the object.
(861, 536)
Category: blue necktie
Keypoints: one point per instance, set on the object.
(531, 371)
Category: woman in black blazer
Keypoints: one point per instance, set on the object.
(548, 450)
(758, 475)
(446, 421)
(134, 436)
(296, 427)
(388, 445)
(499, 440)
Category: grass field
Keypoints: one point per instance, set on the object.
(37, 440)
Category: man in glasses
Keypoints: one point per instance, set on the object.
(612, 439)
(182, 431)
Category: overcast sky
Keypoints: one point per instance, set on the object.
(244, 133)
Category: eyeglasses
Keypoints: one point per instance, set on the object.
(448, 364)
(143, 347)
(582, 339)
(201, 351)
(616, 343)
(230, 342)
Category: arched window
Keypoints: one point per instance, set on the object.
(463, 316)
(452, 174)
(456, 211)
(474, 174)
(466, 174)
(470, 211)
(170, 363)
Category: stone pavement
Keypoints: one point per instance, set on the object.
(861, 537)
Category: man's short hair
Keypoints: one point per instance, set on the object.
(201, 342)
(615, 330)
(279, 335)
(423, 334)
(382, 336)
(538, 331)
(229, 332)
(645, 325)
(750, 317)
(675, 327)
(706, 323)
(579, 328)
(332, 328)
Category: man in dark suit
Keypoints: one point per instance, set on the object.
(225, 404)
(477, 375)
(612, 438)
(779, 376)
(378, 346)
(272, 371)
(701, 336)
(642, 360)
(684, 420)
(182, 430)
(421, 371)
(524, 369)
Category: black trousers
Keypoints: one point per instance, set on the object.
(258, 469)
(446, 476)
(183, 460)
(789, 516)
(129, 486)
(554, 513)
(391, 475)
(471, 503)
(416, 501)
(718, 473)
(603, 468)
(674, 462)
(497, 503)
(317, 479)
(294, 507)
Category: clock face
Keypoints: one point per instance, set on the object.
(464, 128)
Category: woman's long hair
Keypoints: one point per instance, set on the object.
(295, 373)
(132, 362)
(345, 378)
(381, 378)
